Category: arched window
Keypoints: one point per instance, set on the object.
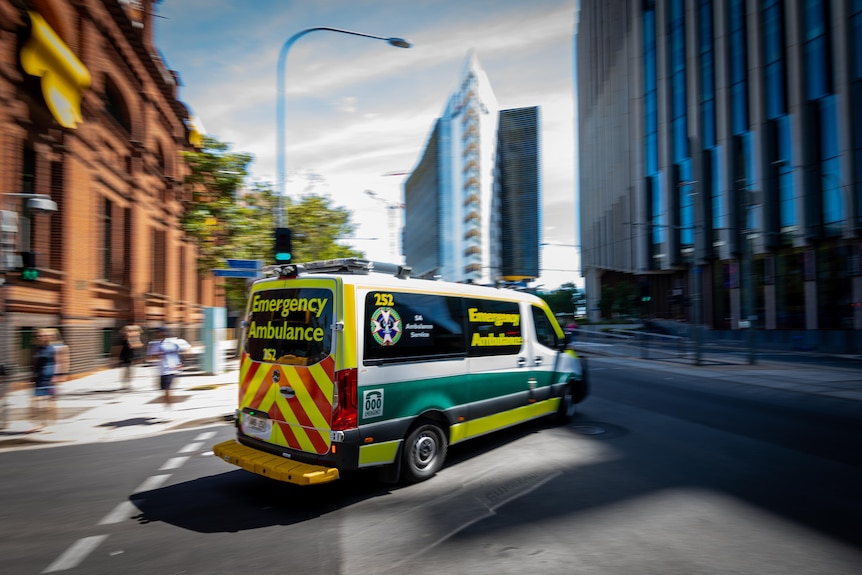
(116, 106)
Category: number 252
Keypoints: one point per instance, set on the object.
(384, 300)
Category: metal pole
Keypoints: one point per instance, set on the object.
(281, 214)
(749, 298)
(697, 316)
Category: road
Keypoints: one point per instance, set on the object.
(658, 474)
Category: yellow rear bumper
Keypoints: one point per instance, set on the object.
(274, 466)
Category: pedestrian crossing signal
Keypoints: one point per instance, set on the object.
(28, 268)
(282, 245)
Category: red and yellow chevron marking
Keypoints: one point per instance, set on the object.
(303, 421)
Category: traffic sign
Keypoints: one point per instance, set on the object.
(245, 264)
(237, 273)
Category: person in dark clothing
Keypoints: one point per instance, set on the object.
(43, 408)
(131, 335)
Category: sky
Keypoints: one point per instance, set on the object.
(358, 111)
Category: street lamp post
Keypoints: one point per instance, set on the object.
(281, 216)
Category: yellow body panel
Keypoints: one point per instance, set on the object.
(378, 453)
(483, 425)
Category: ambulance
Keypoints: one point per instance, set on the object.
(350, 364)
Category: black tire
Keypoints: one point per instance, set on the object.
(575, 392)
(566, 411)
(423, 453)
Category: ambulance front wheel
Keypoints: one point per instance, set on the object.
(424, 453)
(574, 393)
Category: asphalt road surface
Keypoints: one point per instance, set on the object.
(658, 475)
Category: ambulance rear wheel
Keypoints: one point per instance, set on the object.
(424, 453)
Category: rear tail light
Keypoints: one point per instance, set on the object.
(344, 400)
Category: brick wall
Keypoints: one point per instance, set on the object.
(116, 178)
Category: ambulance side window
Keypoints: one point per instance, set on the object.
(545, 333)
(412, 327)
(493, 327)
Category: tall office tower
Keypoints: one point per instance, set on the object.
(517, 199)
(464, 185)
(460, 153)
(720, 158)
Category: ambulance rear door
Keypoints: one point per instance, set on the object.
(288, 364)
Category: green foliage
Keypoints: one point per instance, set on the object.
(619, 300)
(564, 299)
(232, 219)
(317, 225)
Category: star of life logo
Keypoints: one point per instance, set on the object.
(386, 326)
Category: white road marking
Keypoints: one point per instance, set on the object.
(205, 435)
(191, 447)
(151, 483)
(121, 512)
(174, 463)
(73, 556)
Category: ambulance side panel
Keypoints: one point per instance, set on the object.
(412, 363)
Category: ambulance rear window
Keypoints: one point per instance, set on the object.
(290, 326)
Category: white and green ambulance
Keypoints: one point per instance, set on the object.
(348, 364)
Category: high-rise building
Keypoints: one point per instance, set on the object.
(463, 189)
(720, 159)
(517, 202)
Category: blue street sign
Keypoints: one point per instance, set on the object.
(245, 264)
(237, 273)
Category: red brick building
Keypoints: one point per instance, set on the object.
(89, 119)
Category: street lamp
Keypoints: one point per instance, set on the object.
(35, 204)
(281, 217)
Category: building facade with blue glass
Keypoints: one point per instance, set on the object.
(720, 155)
(471, 202)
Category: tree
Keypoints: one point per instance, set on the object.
(317, 226)
(230, 219)
(226, 220)
(563, 299)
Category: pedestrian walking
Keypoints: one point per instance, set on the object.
(43, 409)
(169, 352)
(131, 335)
(571, 330)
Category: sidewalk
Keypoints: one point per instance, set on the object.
(96, 409)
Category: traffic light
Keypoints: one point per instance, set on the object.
(282, 245)
(28, 267)
(645, 297)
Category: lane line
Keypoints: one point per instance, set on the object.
(191, 447)
(151, 483)
(125, 510)
(73, 556)
(173, 463)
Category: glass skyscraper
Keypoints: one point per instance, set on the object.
(720, 154)
(472, 201)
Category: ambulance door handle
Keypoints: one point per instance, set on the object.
(287, 392)
(522, 362)
(538, 360)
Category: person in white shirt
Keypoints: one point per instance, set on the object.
(169, 351)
